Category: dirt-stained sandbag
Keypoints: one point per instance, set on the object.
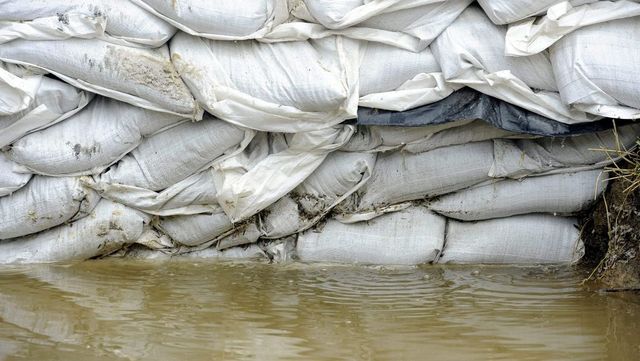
(142, 77)
(90, 141)
(106, 229)
(43, 203)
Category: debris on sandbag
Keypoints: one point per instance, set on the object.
(369, 132)
(122, 22)
(142, 77)
(339, 176)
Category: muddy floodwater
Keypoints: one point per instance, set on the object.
(114, 309)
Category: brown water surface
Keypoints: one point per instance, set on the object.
(115, 309)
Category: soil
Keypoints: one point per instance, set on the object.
(611, 233)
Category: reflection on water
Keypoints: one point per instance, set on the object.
(211, 311)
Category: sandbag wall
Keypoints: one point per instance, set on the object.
(384, 132)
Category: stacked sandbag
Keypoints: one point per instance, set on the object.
(281, 87)
(408, 237)
(339, 176)
(121, 22)
(220, 20)
(106, 229)
(142, 77)
(10, 180)
(371, 132)
(410, 25)
(43, 203)
(32, 102)
(91, 140)
(537, 239)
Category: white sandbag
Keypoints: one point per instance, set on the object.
(519, 158)
(397, 79)
(193, 230)
(471, 52)
(174, 154)
(409, 237)
(251, 181)
(284, 87)
(109, 227)
(411, 25)
(598, 68)
(10, 180)
(142, 77)
(91, 140)
(193, 195)
(44, 203)
(120, 22)
(527, 239)
(220, 20)
(532, 36)
(399, 176)
(16, 93)
(53, 102)
(503, 12)
(563, 194)
(338, 176)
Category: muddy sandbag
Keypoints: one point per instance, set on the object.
(10, 180)
(338, 176)
(562, 194)
(522, 157)
(90, 141)
(271, 166)
(410, 25)
(593, 80)
(509, 11)
(282, 87)
(526, 239)
(51, 102)
(119, 22)
(409, 237)
(174, 154)
(142, 77)
(397, 79)
(106, 229)
(43, 203)
(471, 52)
(250, 253)
(399, 176)
(222, 20)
